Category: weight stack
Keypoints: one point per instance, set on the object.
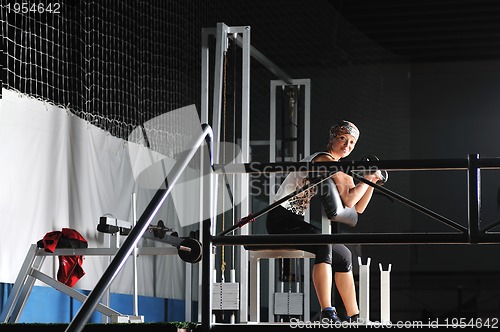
(226, 296)
(290, 304)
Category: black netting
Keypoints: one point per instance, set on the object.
(118, 64)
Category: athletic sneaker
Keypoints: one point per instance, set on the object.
(330, 315)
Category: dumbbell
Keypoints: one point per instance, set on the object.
(382, 174)
(189, 249)
(160, 230)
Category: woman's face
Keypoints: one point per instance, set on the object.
(342, 145)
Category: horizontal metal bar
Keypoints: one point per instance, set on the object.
(345, 166)
(489, 238)
(283, 240)
(106, 251)
(488, 163)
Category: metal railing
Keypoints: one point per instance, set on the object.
(472, 234)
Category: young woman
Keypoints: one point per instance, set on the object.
(333, 262)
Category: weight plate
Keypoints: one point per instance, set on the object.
(193, 256)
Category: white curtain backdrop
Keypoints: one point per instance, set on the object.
(57, 171)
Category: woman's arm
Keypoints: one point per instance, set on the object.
(352, 195)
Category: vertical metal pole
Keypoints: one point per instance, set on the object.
(364, 290)
(307, 151)
(474, 197)
(272, 288)
(134, 258)
(307, 115)
(188, 293)
(385, 294)
(255, 287)
(205, 77)
(307, 289)
(272, 138)
(272, 182)
(208, 260)
(244, 178)
(294, 131)
(208, 225)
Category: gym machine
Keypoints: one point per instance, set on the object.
(188, 249)
(227, 295)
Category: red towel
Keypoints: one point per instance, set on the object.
(70, 267)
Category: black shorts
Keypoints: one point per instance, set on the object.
(281, 221)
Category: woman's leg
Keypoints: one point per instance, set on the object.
(322, 280)
(344, 281)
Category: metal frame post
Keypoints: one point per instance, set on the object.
(221, 34)
(135, 303)
(385, 294)
(243, 188)
(241, 35)
(364, 290)
(207, 229)
(474, 197)
(205, 77)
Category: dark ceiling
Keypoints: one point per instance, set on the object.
(428, 30)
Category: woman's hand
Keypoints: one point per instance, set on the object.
(373, 177)
(381, 177)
